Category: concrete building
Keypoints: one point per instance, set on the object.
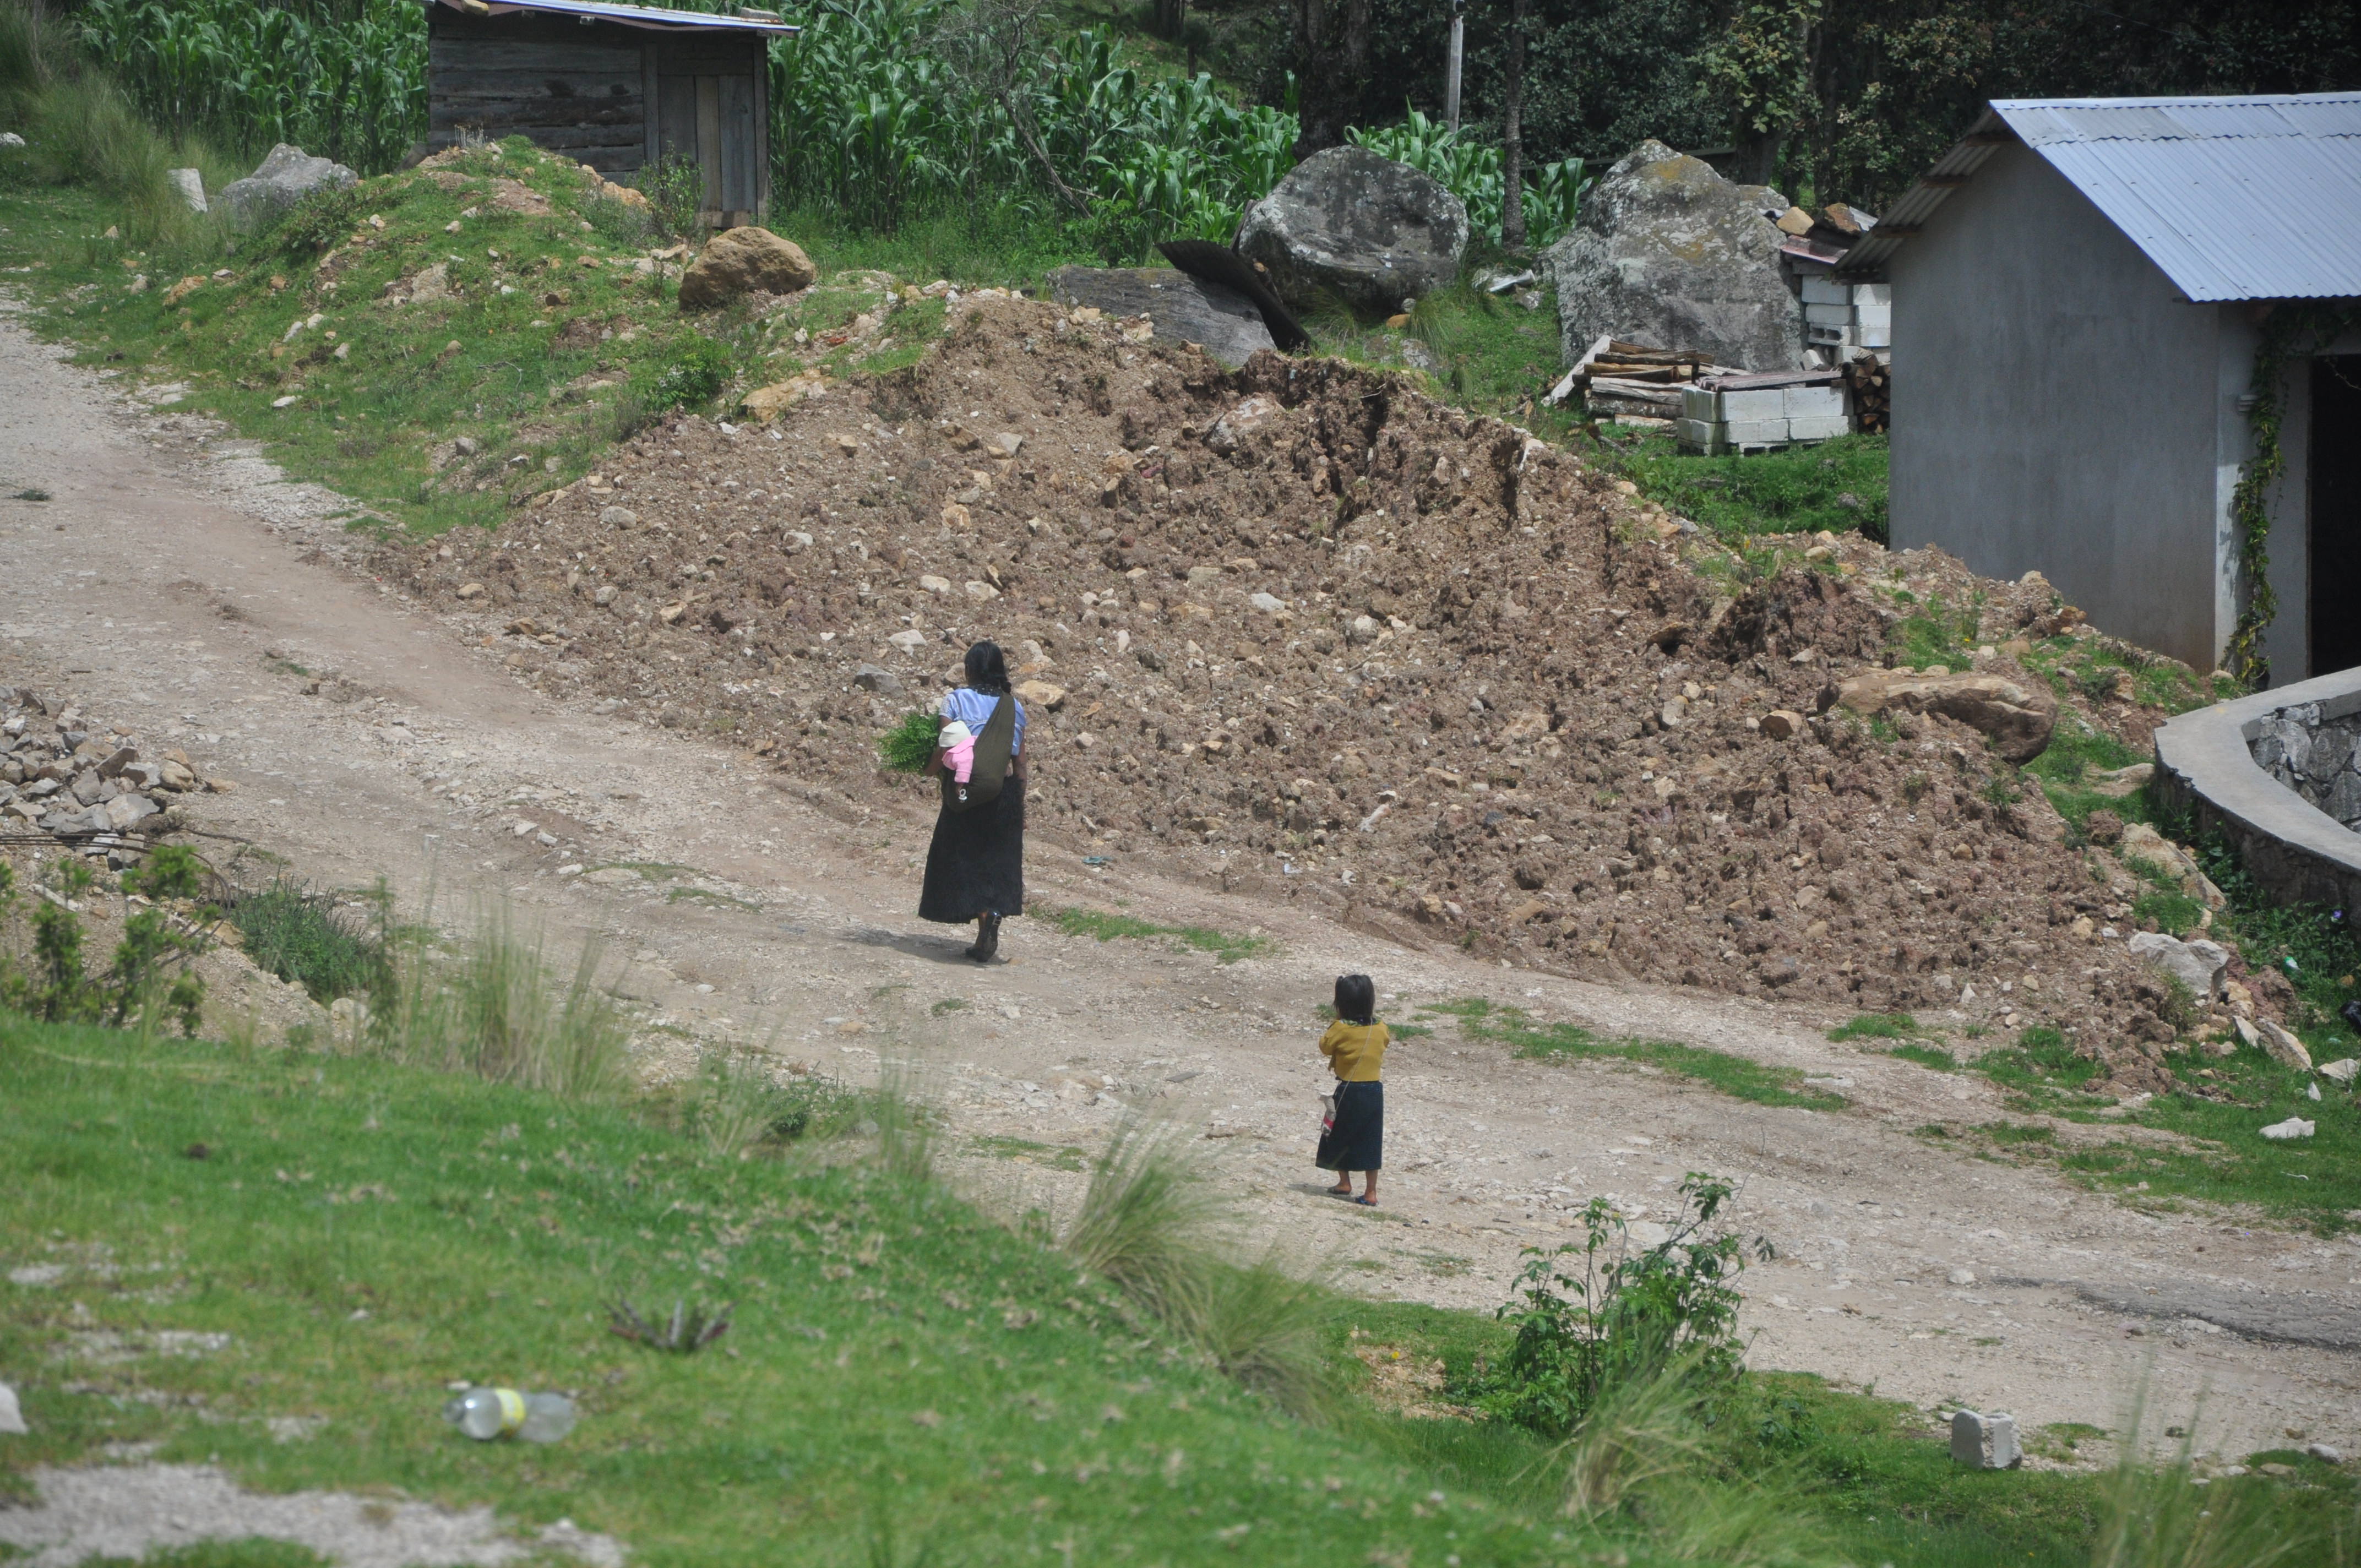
(2079, 289)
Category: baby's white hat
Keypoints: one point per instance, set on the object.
(953, 733)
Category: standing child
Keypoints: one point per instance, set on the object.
(1355, 1045)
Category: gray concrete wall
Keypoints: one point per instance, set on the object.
(2056, 407)
(2206, 766)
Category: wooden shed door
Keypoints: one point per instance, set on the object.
(711, 118)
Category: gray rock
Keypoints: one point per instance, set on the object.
(116, 761)
(126, 810)
(2342, 1071)
(2282, 1046)
(878, 678)
(12, 1416)
(1365, 228)
(1179, 309)
(277, 182)
(191, 184)
(1984, 1442)
(2199, 965)
(1667, 252)
(618, 517)
(2324, 1453)
(11, 139)
(87, 786)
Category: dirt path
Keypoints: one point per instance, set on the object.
(176, 583)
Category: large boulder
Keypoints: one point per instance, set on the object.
(742, 260)
(1367, 229)
(280, 181)
(1179, 309)
(1669, 252)
(2017, 716)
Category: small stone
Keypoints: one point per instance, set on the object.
(1008, 443)
(1984, 1442)
(2283, 1132)
(1041, 694)
(2324, 1453)
(878, 679)
(1675, 709)
(1961, 1276)
(1269, 603)
(618, 517)
(935, 584)
(1782, 724)
(12, 1416)
(176, 776)
(120, 759)
(1362, 629)
(288, 402)
(604, 595)
(471, 590)
(982, 593)
(2341, 1071)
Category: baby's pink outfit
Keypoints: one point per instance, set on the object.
(958, 742)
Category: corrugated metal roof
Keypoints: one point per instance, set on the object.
(650, 16)
(2233, 197)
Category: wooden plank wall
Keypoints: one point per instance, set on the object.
(712, 97)
(576, 90)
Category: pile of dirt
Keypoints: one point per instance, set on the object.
(1301, 631)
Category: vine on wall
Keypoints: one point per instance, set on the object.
(2296, 329)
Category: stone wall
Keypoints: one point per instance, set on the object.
(2313, 752)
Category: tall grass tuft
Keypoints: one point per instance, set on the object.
(496, 1010)
(905, 1125)
(1145, 1218)
(2153, 1516)
(301, 936)
(1261, 1325)
(1643, 1432)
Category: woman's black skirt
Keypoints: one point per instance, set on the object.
(1357, 1140)
(976, 863)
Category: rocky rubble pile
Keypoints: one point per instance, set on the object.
(73, 776)
(1299, 632)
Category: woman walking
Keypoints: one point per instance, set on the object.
(975, 866)
(1355, 1045)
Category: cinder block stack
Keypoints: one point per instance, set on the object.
(1843, 318)
(1758, 418)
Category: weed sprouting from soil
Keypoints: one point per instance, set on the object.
(308, 936)
(1734, 1075)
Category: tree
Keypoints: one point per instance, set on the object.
(1332, 53)
(1761, 67)
(1512, 132)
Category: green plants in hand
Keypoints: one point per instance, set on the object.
(910, 746)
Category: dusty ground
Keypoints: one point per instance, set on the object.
(174, 581)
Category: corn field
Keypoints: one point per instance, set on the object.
(349, 86)
(879, 108)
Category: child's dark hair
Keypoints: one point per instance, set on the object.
(1356, 998)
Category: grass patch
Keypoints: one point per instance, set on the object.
(1104, 927)
(1024, 1151)
(2018, 1133)
(1734, 1075)
(1876, 1026)
(304, 936)
(1935, 1057)
(31, 493)
(1839, 485)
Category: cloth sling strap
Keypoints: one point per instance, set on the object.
(991, 769)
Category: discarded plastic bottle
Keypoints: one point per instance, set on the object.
(489, 1414)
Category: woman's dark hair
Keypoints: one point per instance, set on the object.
(987, 670)
(1356, 998)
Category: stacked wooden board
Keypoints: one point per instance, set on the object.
(1631, 379)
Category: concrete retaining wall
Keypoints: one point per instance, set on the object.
(2219, 763)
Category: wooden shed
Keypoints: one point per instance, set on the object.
(613, 86)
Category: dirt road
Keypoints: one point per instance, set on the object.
(176, 582)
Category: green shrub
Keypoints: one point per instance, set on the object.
(302, 937)
(320, 219)
(695, 374)
(674, 187)
(1624, 1319)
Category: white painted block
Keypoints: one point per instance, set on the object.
(1874, 315)
(1827, 315)
(1877, 337)
(1872, 293)
(1826, 291)
(1818, 427)
(1984, 1442)
(1811, 402)
(1843, 340)
(1701, 435)
(1696, 403)
(1767, 402)
(1755, 432)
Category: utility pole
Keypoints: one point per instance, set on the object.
(1458, 52)
(1512, 134)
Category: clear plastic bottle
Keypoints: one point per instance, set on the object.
(488, 1414)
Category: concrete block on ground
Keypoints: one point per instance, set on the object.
(1874, 315)
(1702, 435)
(1872, 293)
(1811, 402)
(1877, 337)
(1762, 402)
(1755, 432)
(1827, 315)
(1984, 1442)
(1819, 427)
(1699, 404)
(1826, 291)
